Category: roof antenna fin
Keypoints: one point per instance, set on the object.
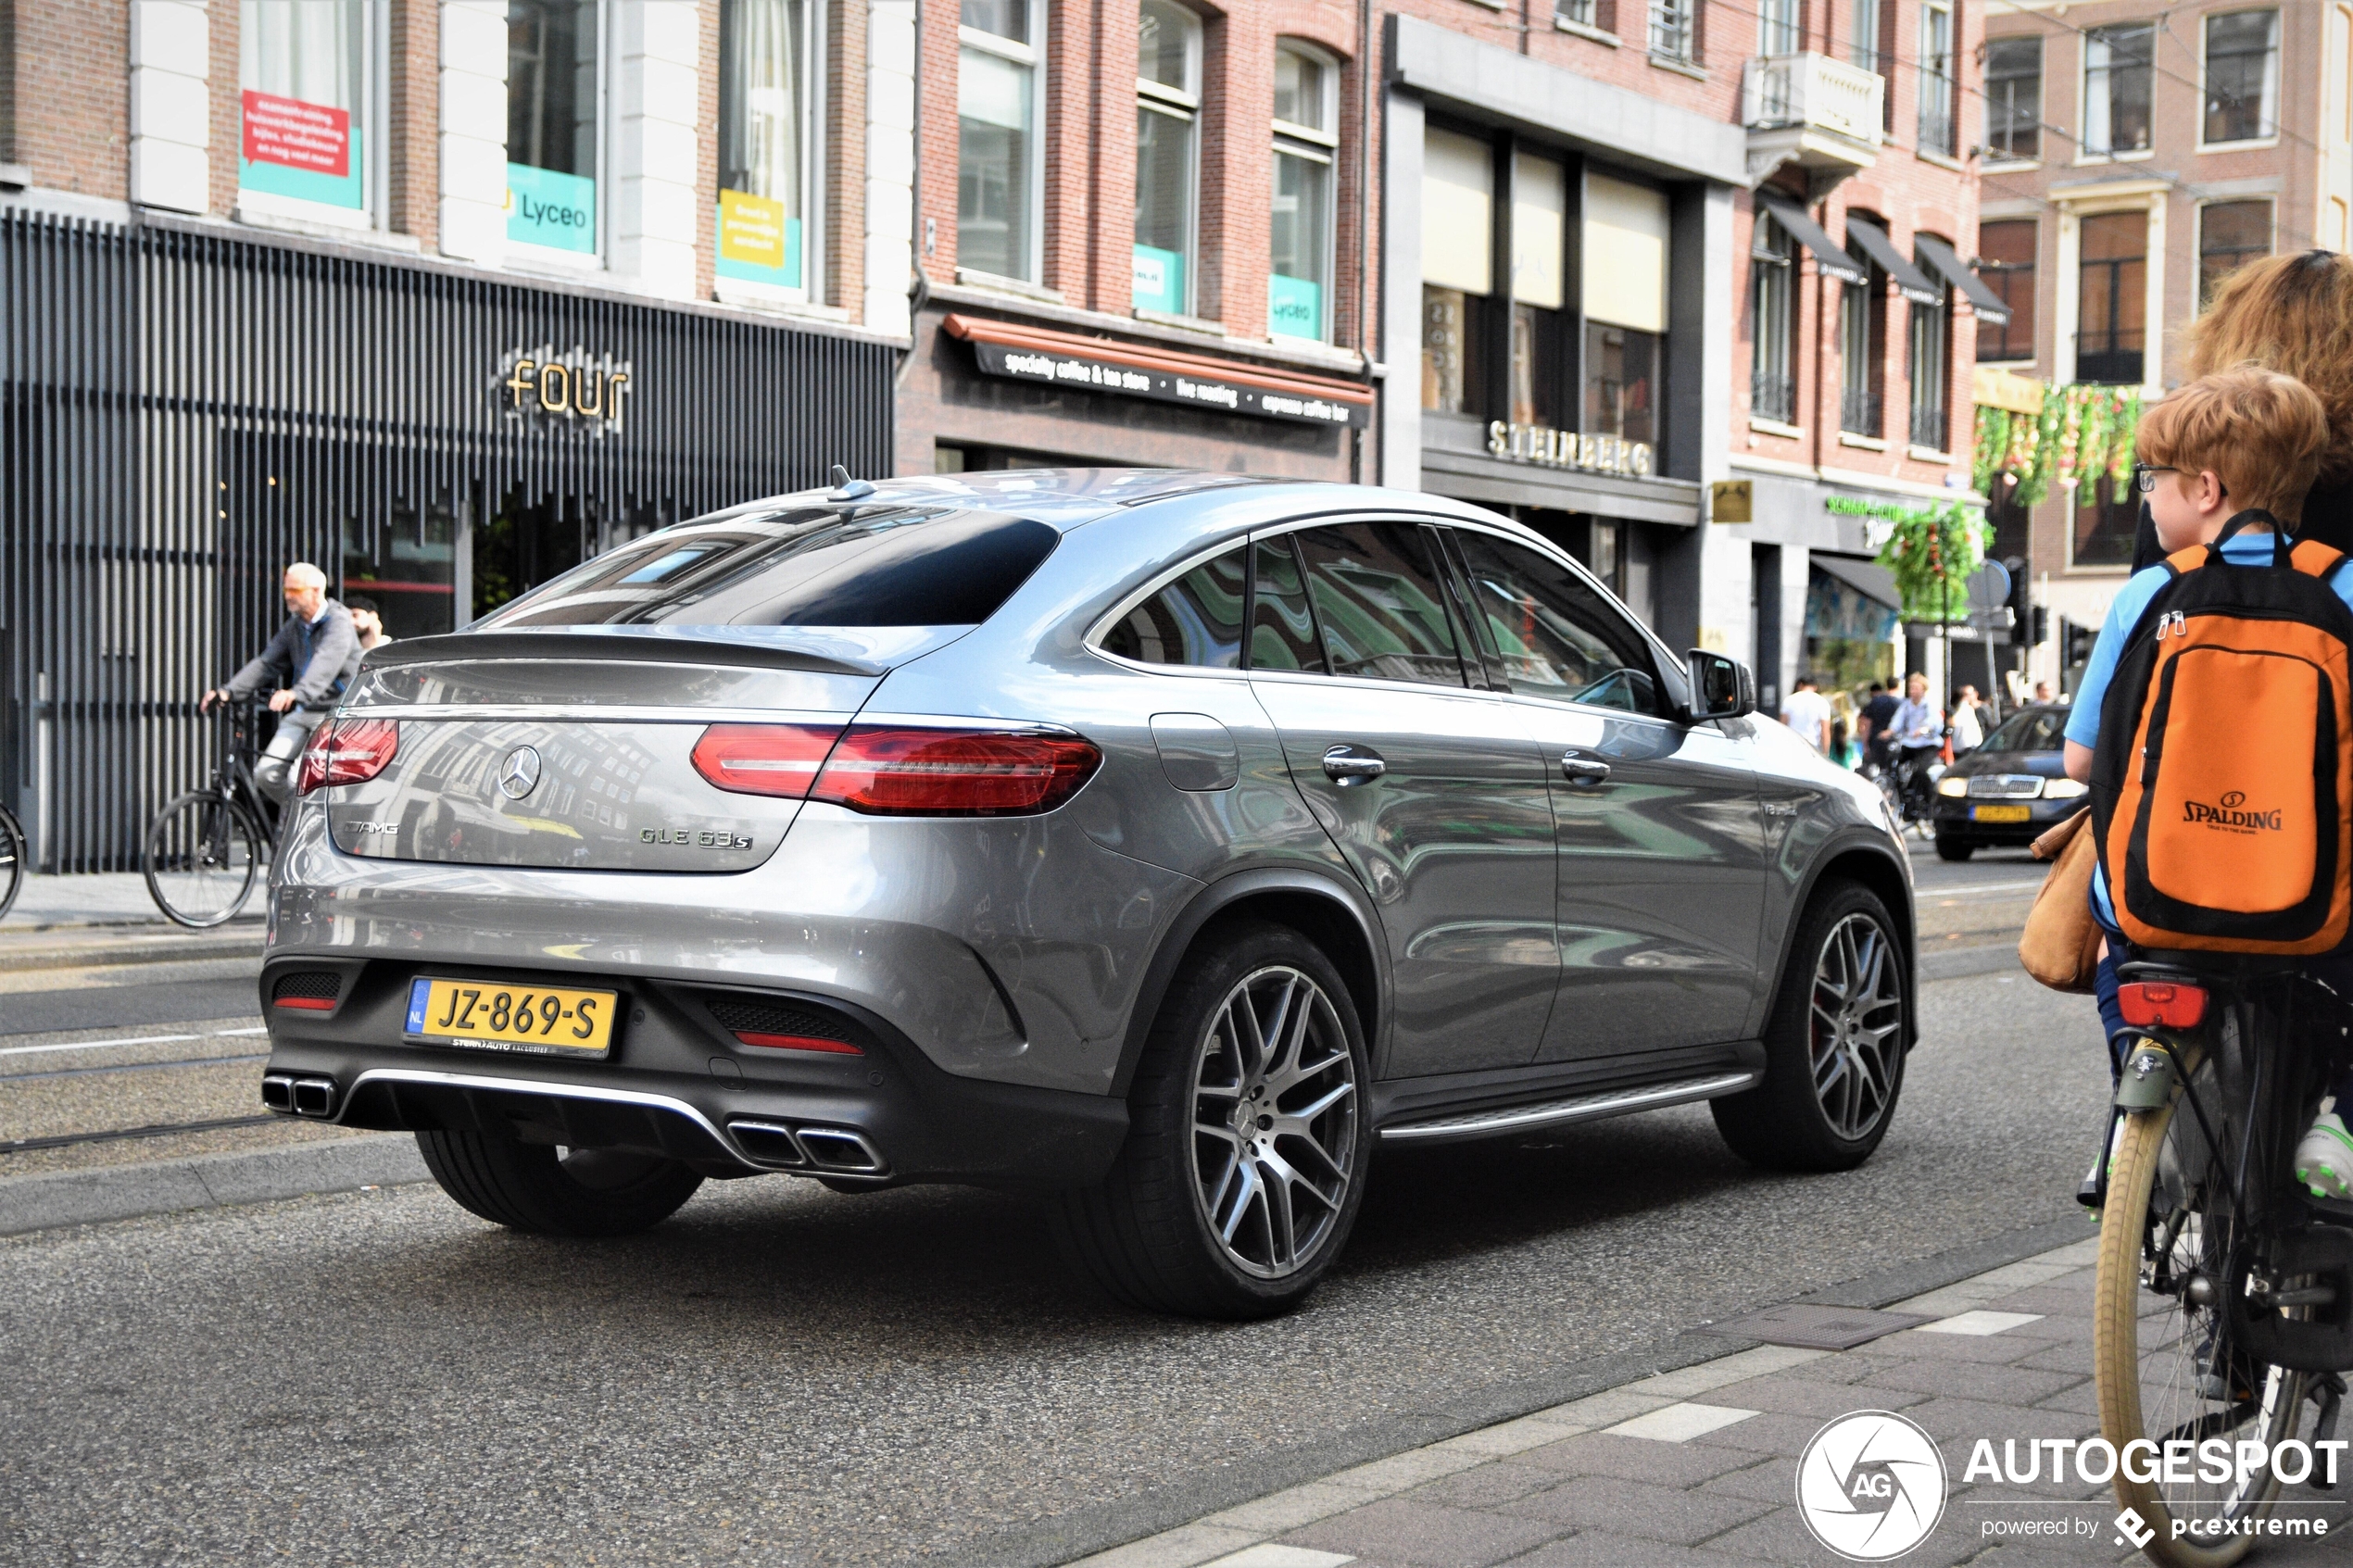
(846, 488)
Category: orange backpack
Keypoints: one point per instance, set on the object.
(2222, 782)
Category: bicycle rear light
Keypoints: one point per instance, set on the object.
(347, 751)
(2165, 1004)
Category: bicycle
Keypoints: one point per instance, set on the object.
(12, 866)
(1905, 782)
(208, 848)
(2223, 1300)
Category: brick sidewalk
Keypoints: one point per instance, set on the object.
(1699, 1466)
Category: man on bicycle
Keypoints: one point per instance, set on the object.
(1917, 734)
(315, 654)
(2239, 440)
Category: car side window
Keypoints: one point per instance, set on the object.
(1379, 602)
(1195, 620)
(1557, 637)
(1282, 630)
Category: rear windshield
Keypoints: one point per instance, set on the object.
(814, 566)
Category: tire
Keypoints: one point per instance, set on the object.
(537, 1188)
(1146, 1232)
(12, 866)
(1826, 1103)
(1951, 848)
(2125, 1311)
(203, 858)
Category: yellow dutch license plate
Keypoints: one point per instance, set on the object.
(2000, 813)
(533, 1020)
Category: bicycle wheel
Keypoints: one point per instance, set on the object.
(2161, 1356)
(203, 859)
(12, 866)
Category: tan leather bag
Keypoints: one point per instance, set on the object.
(2061, 946)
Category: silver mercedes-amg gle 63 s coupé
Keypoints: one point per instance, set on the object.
(1161, 841)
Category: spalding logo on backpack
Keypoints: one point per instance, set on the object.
(2222, 784)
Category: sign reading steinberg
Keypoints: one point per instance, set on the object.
(1089, 374)
(1569, 449)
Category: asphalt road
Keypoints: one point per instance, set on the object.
(788, 1375)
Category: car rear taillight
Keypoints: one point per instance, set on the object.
(347, 751)
(764, 758)
(2164, 1004)
(892, 770)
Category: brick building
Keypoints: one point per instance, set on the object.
(2136, 154)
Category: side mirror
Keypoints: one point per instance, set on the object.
(1721, 687)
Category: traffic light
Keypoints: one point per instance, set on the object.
(2039, 626)
(2075, 643)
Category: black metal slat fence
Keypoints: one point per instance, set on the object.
(183, 412)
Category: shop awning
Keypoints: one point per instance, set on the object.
(1135, 369)
(1829, 256)
(1866, 577)
(1850, 600)
(1909, 280)
(1939, 258)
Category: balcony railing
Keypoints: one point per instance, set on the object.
(1930, 427)
(1858, 412)
(1773, 398)
(1813, 91)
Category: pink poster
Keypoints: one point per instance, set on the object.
(298, 136)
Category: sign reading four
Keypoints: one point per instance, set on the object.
(571, 385)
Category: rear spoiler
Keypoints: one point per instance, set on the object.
(846, 650)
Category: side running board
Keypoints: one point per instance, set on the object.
(1576, 1108)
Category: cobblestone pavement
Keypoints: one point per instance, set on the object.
(1699, 1466)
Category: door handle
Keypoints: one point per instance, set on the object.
(1346, 765)
(1583, 770)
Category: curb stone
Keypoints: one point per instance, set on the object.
(205, 1181)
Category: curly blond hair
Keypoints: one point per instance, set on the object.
(2292, 314)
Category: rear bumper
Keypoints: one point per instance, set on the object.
(678, 1086)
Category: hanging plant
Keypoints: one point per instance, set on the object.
(2120, 453)
(1931, 553)
(2070, 436)
(1986, 458)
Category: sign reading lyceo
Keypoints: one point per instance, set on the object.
(297, 135)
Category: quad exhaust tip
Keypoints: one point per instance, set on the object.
(290, 1095)
(836, 1151)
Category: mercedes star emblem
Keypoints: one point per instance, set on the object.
(518, 775)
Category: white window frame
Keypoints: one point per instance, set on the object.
(529, 257)
(1030, 54)
(373, 120)
(813, 182)
(1184, 105)
(2279, 42)
(2197, 243)
(2042, 74)
(1678, 16)
(1948, 76)
(2084, 98)
(1322, 146)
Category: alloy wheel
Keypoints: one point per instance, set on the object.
(1274, 1128)
(1858, 1025)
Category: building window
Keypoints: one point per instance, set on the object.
(2116, 89)
(1772, 267)
(1600, 15)
(1778, 30)
(1541, 324)
(1938, 122)
(1298, 286)
(305, 108)
(1624, 258)
(2106, 514)
(997, 113)
(554, 95)
(2005, 260)
(1863, 47)
(1927, 367)
(1167, 128)
(2111, 312)
(2230, 235)
(766, 141)
(1862, 349)
(2013, 98)
(1458, 268)
(2242, 77)
(1675, 29)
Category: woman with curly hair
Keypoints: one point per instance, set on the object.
(2292, 314)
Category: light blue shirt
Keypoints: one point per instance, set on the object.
(2247, 548)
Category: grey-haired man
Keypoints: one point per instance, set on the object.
(315, 654)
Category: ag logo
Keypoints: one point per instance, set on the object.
(1871, 1485)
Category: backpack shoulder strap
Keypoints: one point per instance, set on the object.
(2314, 558)
(2190, 558)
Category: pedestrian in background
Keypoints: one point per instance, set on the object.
(1842, 729)
(1969, 721)
(1875, 730)
(2042, 692)
(367, 621)
(315, 653)
(1806, 711)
